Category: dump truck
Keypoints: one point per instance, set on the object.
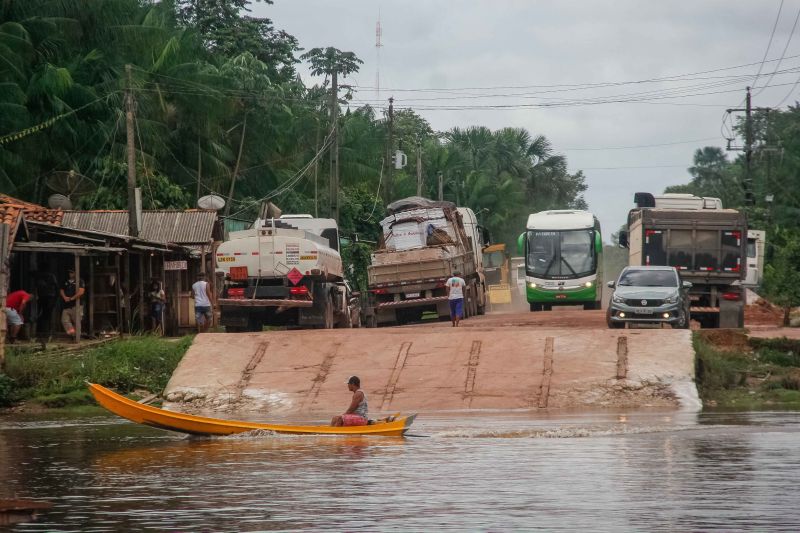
(496, 272)
(285, 271)
(705, 242)
(423, 243)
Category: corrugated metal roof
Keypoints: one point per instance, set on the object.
(194, 226)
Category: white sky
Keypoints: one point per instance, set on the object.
(470, 43)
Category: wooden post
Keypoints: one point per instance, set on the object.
(91, 297)
(178, 302)
(78, 308)
(127, 294)
(118, 295)
(141, 292)
(5, 232)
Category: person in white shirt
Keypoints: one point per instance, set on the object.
(201, 293)
(455, 296)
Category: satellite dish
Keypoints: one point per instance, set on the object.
(59, 201)
(70, 183)
(211, 201)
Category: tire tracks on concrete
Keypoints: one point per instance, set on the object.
(547, 372)
(394, 377)
(322, 375)
(472, 370)
(247, 373)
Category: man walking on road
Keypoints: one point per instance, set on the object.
(201, 293)
(455, 296)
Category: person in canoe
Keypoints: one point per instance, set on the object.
(356, 414)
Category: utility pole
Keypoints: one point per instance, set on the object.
(133, 204)
(419, 166)
(747, 181)
(334, 155)
(390, 175)
(441, 185)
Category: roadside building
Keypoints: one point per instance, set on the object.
(116, 269)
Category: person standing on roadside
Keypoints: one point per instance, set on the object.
(15, 307)
(201, 293)
(157, 300)
(71, 292)
(455, 297)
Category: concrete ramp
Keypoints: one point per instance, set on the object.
(434, 369)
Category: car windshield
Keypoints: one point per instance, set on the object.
(648, 278)
(561, 254)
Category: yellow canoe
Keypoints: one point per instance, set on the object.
(201, 425)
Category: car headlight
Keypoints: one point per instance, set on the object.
(532, 285)
(672, 299)
(588, 284)
(618, 299)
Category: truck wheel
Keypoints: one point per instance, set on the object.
(327, 314)
(535, 307)
(372, 321)
(481, 309)
(547, 307)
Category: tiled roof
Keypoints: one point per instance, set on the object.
(27, 206)
(51, 216)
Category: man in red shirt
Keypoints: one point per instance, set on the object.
(15, 306)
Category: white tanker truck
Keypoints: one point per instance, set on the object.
(285, 271)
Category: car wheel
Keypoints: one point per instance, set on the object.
(616, 325)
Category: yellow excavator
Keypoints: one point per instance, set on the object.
(496, 272)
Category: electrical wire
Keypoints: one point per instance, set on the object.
(769, 43)
(638, 146)
(786, 47)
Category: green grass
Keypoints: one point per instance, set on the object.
(58, 379)
(765, 376)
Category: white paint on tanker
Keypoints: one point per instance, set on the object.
(273, 247)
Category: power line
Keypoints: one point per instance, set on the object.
(632, 167)
(639, 145)
(786, 47)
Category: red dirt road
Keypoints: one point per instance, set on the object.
(561, 358)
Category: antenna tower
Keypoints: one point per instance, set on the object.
(378, 46)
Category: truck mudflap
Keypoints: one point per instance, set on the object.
(411, 303)
(238, 302)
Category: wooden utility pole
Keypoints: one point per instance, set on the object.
(441, 185)
(236, 167)
(334, 156)
(390, 158)
(133, 221)
(419, 167)
(749, 198)
(199, 167)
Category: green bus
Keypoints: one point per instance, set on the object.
(563, 253)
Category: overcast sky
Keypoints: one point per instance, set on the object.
(515, 47)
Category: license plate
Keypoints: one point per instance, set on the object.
(560, 296)
(412, 295)
(644, 311)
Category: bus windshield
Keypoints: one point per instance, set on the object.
(561, 254)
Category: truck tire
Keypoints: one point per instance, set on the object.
(535, 307)
(327, 314)
(481, 309)
(372, 321)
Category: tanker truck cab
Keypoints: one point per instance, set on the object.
(284, 271)
(563, 255)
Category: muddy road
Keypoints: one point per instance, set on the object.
(566, 358)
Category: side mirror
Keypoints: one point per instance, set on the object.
(611, 284)
(623, 239)
(686, 284)
(521, 244)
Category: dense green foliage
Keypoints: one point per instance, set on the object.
(736, 372)
(219, 108)
(56, 379)
(773, 186)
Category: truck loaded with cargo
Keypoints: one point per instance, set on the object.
(285, 271)
(423, 243)
(704, 242)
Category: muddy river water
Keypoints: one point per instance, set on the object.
(607, 471)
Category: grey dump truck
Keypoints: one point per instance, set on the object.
(704, 242)
(424, 242)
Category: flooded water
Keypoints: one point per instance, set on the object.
(634, 471)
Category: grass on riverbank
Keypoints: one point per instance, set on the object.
(735, 372)
(58, 379)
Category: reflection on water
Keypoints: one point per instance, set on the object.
(644, 471)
